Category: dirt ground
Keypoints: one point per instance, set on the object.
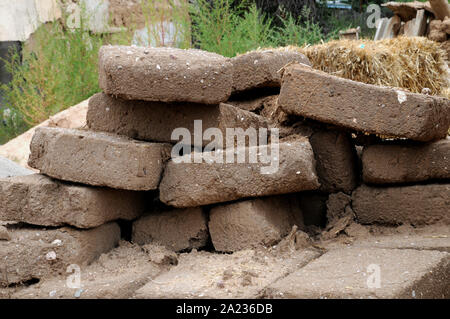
(150, 271)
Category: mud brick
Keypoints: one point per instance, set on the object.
(432, 237)
(98, 159)
(178, 229)
(417, 204)
(260, 68)
(351, 273)
(190, 184)
(363, 107)
(165, 74)
(39, 200)
(383, 164)
(155, 121)
(338, 205)
(336, 161)
(34, 253)
(252, 223)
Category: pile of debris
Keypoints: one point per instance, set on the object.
(219, 188)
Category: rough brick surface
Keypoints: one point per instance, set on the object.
(418, 204)
(336, 161)
(363, 107)
(38, 253)
(336, 158)
(193, 184)
(39, 200)
(177, 229)
(239, 275)
(384, 164)
(337, 206)
(97, 158)
(165, 74)
(252, 223)
(430, 237)
(345, 273)
(273, 112)
(260, 68)
(252, 103)
(266, 106)
(155, 121)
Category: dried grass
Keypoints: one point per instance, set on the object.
(409, 63)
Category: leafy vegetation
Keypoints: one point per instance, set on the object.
(57, 70)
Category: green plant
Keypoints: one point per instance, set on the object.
(337, 23)
(219, 27)
(58, 70)
(300, 31)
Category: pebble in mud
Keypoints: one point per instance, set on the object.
(4, 234)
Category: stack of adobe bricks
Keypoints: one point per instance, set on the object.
(124, 166)
(405, 156)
